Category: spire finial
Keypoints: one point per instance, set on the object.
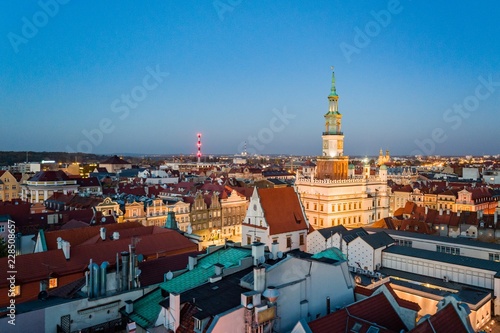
(333, 91)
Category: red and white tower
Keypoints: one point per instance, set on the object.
(199, 148)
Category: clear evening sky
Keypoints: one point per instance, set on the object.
(145, 77)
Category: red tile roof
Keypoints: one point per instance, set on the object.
(48, 176)
(374, 311)
(445, 320)
(282, 210)
(80, 235)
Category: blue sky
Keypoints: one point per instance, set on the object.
(413, 77)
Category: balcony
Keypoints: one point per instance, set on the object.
(333, 133)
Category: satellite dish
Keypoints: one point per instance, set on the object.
(137, 272)
(271, 256)
(140, 257)
(262, 259)
(170, 275)
(280, 254)
(103, 219)
(43, 295)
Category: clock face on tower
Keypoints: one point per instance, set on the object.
(325, 144)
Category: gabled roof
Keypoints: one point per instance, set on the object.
(445, 320)
(378, 240)
(375, 311)
(330, 231)
(352, 234)
(115, 160)
(401, 302)
(282, 210)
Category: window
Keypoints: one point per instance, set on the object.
(321, 207)
(333, 208)
(403, 242)
(52, 283)
(448, 249)
(197, 324)
(301, 239)
(17, 290)
(2, 228)
(249, 240)
(307, 205)
(494, 256)
(288, 241)
(315, 207)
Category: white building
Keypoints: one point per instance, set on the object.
(333, 194)
(275, 215)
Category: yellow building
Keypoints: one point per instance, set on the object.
(9, 187)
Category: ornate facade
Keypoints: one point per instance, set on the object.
(333, 195)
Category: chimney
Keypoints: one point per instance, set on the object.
(102, 231)
(257, 252)
(59, 243)
(275, 246)
(104, 275)
(132, 265)
(259, 279)
(218, 269)
(328, 305)
(129, 306)
(174, 310)
(192, 261)
(66, 249)
(125, 260)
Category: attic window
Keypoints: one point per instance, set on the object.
(356, 328)
(298, 219)
(372, 329)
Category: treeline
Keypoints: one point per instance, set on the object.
(11, 157)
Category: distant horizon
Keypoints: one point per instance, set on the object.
(206, 155)
(415, 78)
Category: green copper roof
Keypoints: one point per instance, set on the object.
(42, 240)
(147, 308)
(331, 253)
(333, 91)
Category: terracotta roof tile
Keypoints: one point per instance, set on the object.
(79, 235)
(446, 320)
(282, 210)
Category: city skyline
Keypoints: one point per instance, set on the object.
(146, 78)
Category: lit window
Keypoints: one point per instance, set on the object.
(17, 290)
(52, 283)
